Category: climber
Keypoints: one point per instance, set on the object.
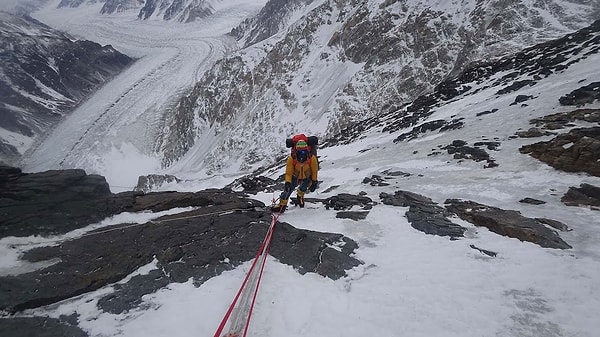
(300, 170)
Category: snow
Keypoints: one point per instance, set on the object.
(411, 284)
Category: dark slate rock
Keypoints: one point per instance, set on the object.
(521, 99)
(581, 96)
(506, 222)
(554, 224)
(563, 119)
(467, 152)
(38, 327)
(375, 180)
(354, 215)
(345, 201)
(441, 124)
(584, 195)
(224, 230)
(484, 251)
(378, 180)
(533, 133)
(487, 112)
(460, 150)
(576, 151)
(30, 202)
(532, 201)
(489, 145)
(254, 184)
(129, 295)
(424, 214)
(291, 245)
(396, 173)
(515, 86)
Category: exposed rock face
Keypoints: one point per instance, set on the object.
(584, 95)
(45, 74)
(576, 151)
(152, 181)
(176, 10)
(460, 150)
(117, 6)
(181, 246)
(534, 62)
(30, 201)
(39, 327)
(562, 120)
(584, 195)
(424, 214)
(268, 22)
(508, 223)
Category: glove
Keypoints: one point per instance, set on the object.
(287, 187)
(313, 185)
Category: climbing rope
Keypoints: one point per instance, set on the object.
(240, 309)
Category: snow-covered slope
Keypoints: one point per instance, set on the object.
(128, 115)
(462, 140)
(310, 66)
(411, 283)
(339, 62)
(419, 285)
(44, 74)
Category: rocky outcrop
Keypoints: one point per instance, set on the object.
(46, 74)
(424, 214)
(460, 150)
(587, 94)
(118, 6)
(576, 151)
(566, 119)
(381, 55)
(191, 244)
(508, 223)
(40, 327)
(173, 10)
(151, 182)
(584, 195)
(534, 62)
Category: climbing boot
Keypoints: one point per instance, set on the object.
(300, 198)
(280, 208)
(301, 201)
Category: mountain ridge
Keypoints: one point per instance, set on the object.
(45, 74)
(377, 57)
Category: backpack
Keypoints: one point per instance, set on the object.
(311, 141)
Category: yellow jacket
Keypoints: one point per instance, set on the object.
(301, 171)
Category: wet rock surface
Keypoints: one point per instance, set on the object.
(222, 230)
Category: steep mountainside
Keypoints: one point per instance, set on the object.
(168, 10)
(338, 62)
(44, 74)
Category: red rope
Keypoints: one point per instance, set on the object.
(262, 267)
(263, 250)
